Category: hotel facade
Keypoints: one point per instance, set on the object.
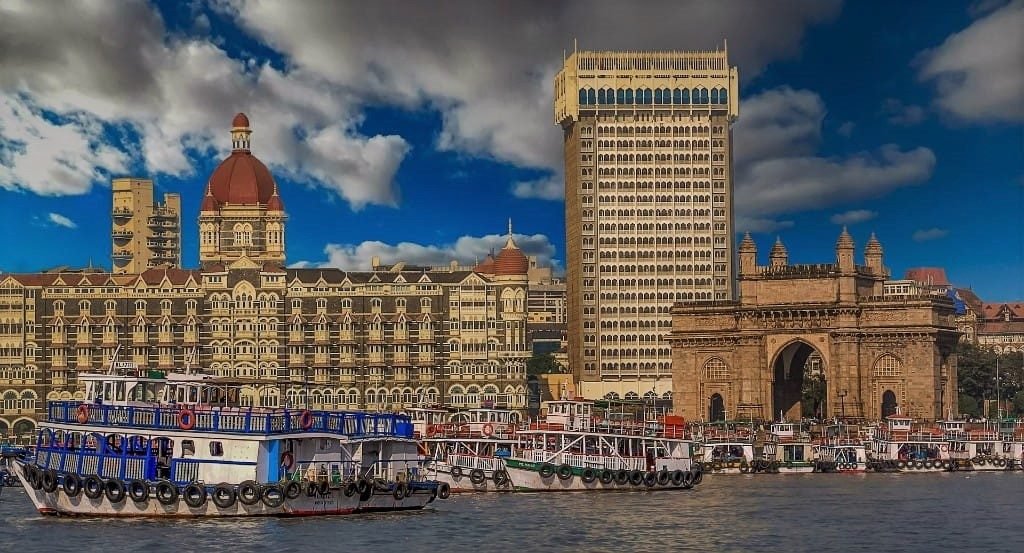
(383, 339)
(649, 207)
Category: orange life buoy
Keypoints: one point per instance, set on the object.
(83, 414)
(488, 429)
(435, 430)
(944, 447)
(186, 419)
(287, 461)
(306, 419)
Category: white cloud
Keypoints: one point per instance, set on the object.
(853, 216)
(467, 250)
(777, 171)
(846, 129)
(977, 70)
(904, 115)
(934, 233)
(488, 68)
(60, 220)
(760, 224)
(547, 188)
(179, 94)
(48, 157)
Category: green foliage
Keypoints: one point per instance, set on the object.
(1018, 403)
(543, 364)
(812, 395)
(976, 373)
(969, 406)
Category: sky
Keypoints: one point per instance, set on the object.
(415, 130)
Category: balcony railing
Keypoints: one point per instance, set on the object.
(236, 420)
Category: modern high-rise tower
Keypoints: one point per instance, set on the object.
(648, 205)
(144, 234)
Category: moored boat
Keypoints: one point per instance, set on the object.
(899, 446)
(576, 449)
(180, 445)
(467, 450)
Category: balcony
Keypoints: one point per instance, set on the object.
(121, 234)
(122, 255)
(122, 213)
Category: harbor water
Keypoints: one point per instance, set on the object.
(814, 512)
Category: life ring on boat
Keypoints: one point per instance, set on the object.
(456, 471)
(249, 492)
(650, 479)
(588, 475)
(564, 472)
(444, 491)
(488, 429)
(224, 496)
(636, 478)
(622, 477)
(547, 470)
(944, 447)
(194, 495)
(186, 419)
(350, 489)
(115, 490)
(435, 430)
(607, 477)
(664, 477)
(49, 480)
(500, 478)
(83, 414)
(292, 490)
(138, 490)
(273, 497)
(93, 487)
(399, 492)
(166, 492)
(306, 419)
(477, 476)
(72, 484)
(678, 477)
(287, 460)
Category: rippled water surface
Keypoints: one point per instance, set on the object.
(820, 513)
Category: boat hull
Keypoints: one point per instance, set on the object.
(526, 477)
(463, 483)
(334, 502)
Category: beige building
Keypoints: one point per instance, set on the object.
(648, 198)
(382, 339)
(748, 359)
(144, 234)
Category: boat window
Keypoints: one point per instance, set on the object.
(216, 449)
(188, 448)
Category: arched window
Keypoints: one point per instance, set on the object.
(714, 95)
(723, 96)
(583, 96)
(600, 97)
(591, 96)
(648, 96)
(703, 95)
(632, 395)
(657, 96)
(685, 96)
(888, 366)
(629, 95)
(609, 96)
(716, 369)
(243, 234)
(620, 96)
(677, 96)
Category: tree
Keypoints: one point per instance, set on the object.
(543, 363)
(968, 406)
(1018, 403)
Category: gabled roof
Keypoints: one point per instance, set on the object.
(929, 276)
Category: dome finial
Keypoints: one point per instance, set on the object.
(240, 132)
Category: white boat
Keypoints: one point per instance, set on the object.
(180, 445)
(467, 449)
(843, 446)
(898, 445)
(990, 448)
(576, 449)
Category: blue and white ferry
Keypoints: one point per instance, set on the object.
(182, 445)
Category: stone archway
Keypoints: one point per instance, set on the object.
(888, 403)
(798, 382)
(716, 408)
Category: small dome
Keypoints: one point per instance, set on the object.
(209, 203)
(747, 244)
(486, 266)
(779, 249)
(845, 241)
(873, 245)
(240, 121)
(275, 203)
(511, 261)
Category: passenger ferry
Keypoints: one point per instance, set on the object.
(181, 445)
(843, 446)
(467, 449)
(575, 449)
(990, 448)
(897, 445)
(727, 448)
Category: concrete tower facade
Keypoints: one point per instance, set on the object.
(144, 234)
(648, 198)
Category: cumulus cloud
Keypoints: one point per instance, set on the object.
(467, 250)
(760, 224)
(934, 233)
(904, 115)
(61, 220)
(976, 71)
(178, 94)
(853, 216)
(547, 188)
(846, 129)
(777, 171)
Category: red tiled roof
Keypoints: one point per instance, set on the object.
(935, 276)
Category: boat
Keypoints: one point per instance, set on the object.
(727, 447)
(467, 448)
(8, 472)
(843, 445)
(989, 448)
(575, 448)
(900, 446)
(181, 444)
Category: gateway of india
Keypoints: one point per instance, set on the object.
(748, 358)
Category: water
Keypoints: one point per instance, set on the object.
(949, 512)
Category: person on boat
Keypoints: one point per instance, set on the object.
(322, 473)
(311, 472)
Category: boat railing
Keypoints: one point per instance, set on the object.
(106, 465)
(331, 471)
(231, 420)
(604, 462)
(476, 462)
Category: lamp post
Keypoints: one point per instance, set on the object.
(842, 403)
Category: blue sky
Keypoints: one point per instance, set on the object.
(414, 131)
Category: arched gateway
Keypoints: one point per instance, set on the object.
(804, 340)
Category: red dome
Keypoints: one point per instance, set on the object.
(240, 120)
(511, 261)
(241, 179)
(486, 266)
(209, 203)
(275, 204)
